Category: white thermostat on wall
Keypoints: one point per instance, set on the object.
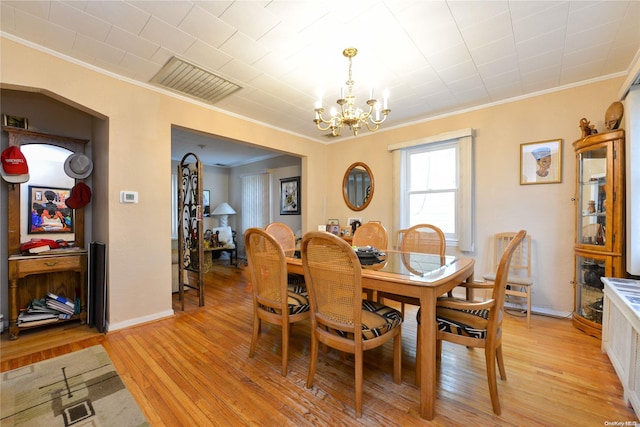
(128, 197)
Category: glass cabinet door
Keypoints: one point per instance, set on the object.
(589, 295)
(592, 196)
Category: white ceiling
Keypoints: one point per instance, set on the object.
(435, 57)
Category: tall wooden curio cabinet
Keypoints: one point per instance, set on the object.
(599, 242)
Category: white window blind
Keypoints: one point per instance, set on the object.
(255, 201)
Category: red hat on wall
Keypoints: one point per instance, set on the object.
(14, 166)
(80, 196)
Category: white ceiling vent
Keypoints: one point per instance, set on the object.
(194, 81)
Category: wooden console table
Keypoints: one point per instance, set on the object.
(23, 288)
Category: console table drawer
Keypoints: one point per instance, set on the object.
(25, 267)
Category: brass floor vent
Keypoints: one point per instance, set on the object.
(193, 81)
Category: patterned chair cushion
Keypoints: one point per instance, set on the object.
(298, 301)
(471, 323)
(377, 319)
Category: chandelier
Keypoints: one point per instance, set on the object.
(349, 114)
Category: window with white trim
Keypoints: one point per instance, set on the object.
(431, 183)
(434, 185)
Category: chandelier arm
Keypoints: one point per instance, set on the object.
(374, 128)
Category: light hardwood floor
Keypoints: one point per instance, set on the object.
(193, 370)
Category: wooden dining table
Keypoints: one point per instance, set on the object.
(422, 276)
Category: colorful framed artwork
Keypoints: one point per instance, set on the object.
(47, 210)
(541, 162)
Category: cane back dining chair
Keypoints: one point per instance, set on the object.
(340, 318)
(519, 280)
(422, 238)
(273, 299)
(479, 324)
(371, 234)
(284, 235)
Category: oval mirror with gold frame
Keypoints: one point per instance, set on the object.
(357, 186)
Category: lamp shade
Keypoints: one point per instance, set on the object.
(223, 209)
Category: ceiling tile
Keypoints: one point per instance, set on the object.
(131, 42)
(120, 14)
(174, 39)
(171, 12)
(76, 20)
(206, 27)
(251, 18)
(204, 55)
(36, 8)
(93, 48)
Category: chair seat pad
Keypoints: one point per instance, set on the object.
(297, 301)
(377, 319)
(513, 280)
(471, 323)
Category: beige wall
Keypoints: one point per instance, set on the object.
(501, 203)
(138, 236)
(135, 155)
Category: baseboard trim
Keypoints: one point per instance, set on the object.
(538, 310)
(138, 320)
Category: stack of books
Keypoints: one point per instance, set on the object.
(46, 310)
(63, 305)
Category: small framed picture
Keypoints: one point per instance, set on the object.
(206, 196)
(350, 221)
(333, 229)
(541, 162)
(345, 231)
(13, 121)
(333, 222)
(290, 196)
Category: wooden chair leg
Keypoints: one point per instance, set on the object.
(490, 356)
(359, 361)
(528, 290)
(285, 347)
(313, 360)
(500, 361)
(397, 357)
(254, 336)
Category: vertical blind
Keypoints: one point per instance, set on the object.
(255, 201)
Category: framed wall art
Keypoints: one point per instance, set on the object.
(16, 122)
(541, 162)
(47, 210)
(290, 196)
(206, 196)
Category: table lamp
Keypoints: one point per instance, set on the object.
(223, 210)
